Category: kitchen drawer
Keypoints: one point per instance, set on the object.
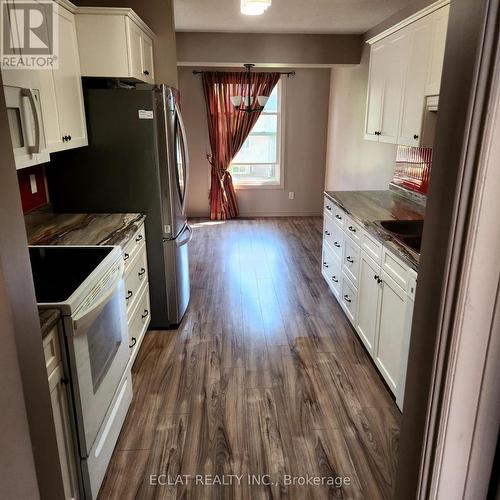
(135, 275)
(334, 236)
(372, 247)
(52, 350)
(353, 230)
(134, 245)
(139, 321)
(328, 207)
(395, 268)
(331, 270)
(349, 299)
(350, 263)
(339, 215)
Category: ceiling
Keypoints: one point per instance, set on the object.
(285, 16)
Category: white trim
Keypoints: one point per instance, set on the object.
(258, 65)
(303, 213)
(67, 5)
(115, 11)
(409, 20)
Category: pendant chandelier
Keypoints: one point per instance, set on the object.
(242, 103)
(254, 7)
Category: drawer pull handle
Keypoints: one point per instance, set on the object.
(334, 279)
(141, 272)
(327, 232)
(376, 277)
(337, 216)
(129, 294)
(336, 244)
(349, 259)
(352, 229)
(328, 207)
(346, 298)
(64, 380)
(139, 238)
(134, 341)
(126, 256)
(325, 264)
(146, 314)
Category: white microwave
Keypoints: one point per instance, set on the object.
(26, 125)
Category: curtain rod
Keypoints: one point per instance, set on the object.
(287, 73)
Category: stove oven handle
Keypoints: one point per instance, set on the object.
(101, 299)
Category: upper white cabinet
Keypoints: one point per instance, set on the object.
(114, 43)
(439, 21)
(61, 92)
(405, 66)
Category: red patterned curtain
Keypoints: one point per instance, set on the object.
(228, 129)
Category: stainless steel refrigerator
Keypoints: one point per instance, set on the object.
(136, 161)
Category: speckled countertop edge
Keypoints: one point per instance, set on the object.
(405, 254)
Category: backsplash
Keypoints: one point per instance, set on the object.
(413, 168)
(29, 199)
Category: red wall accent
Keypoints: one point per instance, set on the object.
(413, 168)
(31, 201)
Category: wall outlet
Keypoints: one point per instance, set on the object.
(33, 186)
(291, 195)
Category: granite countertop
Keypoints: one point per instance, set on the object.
(366, 207)
(48, 318)
(44, 227)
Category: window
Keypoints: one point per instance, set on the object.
(258, 162)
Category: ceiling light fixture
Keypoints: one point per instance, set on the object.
(254, 7)
(245, 103)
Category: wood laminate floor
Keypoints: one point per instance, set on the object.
(264, 377)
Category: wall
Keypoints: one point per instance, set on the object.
(296, 50)
(21, 354)
(159, 16)
(353, 163)
(304, 155)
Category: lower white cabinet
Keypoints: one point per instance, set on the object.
(61, 413)
(368, 302)
(375, 288)
(391, 331)
(136, 290)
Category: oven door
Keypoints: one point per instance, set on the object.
(26, 126)
(98, 351)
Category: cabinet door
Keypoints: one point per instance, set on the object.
(135, 50)
(61, 92)
(65, 446)
(391, 331)
(435, 68)
(395, 65)
(147, 59)
(413, 101)
(375, 94)
(368, 300)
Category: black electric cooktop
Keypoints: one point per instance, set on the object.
(59, 270)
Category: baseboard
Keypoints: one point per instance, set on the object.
(312, 213)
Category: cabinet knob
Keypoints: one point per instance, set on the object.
(376, 277)
(328, 207)
(325, 264)
(346, 298)
(145, 315)
(334, 279)
(126, 256)
(69, 138)
(129, 294)
(64, 138)
(415, 136)
(139, 238)
(339, 217)
(65, 381)
(134, 341)
(141, 272)
(336, 244)
(352, 229)
(146, 72)
(349, 259)
(327, 232)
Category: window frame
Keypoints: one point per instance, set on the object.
(280, 146)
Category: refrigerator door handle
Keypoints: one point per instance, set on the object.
(179, 242)
(186, 155)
